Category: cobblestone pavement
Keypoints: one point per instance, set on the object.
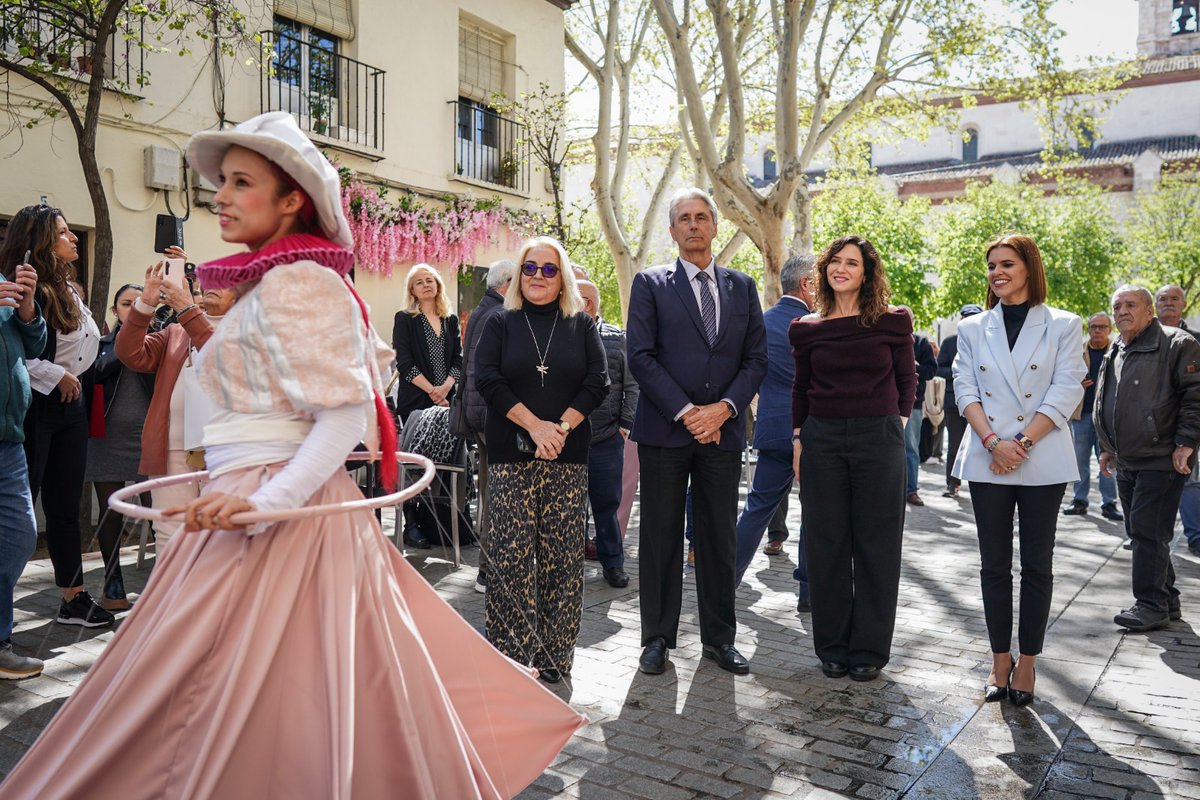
(1117, 715)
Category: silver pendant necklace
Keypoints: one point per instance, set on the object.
(541, 367)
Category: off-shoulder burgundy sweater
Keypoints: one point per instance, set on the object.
(846, 370)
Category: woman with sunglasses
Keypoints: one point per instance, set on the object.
(542, 370)
(428, 358)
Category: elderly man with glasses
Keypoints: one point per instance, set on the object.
(1099, 328)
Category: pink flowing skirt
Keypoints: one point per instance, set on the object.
(309, 661)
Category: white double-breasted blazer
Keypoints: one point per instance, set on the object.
(1042, 374)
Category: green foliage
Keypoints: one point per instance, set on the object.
(1163, 235)
(588, 249)
(1074, 230)
(895, 227)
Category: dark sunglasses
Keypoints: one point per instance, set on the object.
(530, 269)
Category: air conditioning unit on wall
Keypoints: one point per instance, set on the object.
(162, 168)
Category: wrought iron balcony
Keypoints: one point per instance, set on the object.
(56, 36)
(329, 94)
(488, 147)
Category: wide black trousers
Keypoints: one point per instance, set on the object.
(852, 481)
(956, 426)
(714, 475)
(1037, 507)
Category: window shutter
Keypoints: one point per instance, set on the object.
(331, 16)
(480, 63)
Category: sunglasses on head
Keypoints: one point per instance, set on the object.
(530, 269)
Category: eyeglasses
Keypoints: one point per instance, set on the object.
(529, 269)
(1099, 327)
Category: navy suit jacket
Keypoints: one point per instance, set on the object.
(673, 362)
(773, 426)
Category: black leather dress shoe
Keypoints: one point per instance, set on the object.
(550, 675)
(654, 656)
(1110, 511)
(616, 577)
(834, 669)
(727, 658)
(803, 606)
(864, 672)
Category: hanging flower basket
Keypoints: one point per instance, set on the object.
(410, 231)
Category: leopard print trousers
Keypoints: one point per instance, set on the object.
(535, 561)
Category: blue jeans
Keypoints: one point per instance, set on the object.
(606, 461)
(18, 527)
(773, 479)
(912, 447)
(1087, 443)
(1189, 506)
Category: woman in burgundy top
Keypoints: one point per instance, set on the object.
(855, 385)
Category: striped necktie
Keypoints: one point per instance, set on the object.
(708, 307)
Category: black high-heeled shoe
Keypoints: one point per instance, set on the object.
(993, 694)
(1018, 697)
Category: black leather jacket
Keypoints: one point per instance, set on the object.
(621, 401)
(1155, 405)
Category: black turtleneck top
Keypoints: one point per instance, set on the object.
(1014, 320)
(506, 373)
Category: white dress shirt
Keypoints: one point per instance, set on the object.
(74, 352)
(698, 286)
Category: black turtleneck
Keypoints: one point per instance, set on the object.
(506, 373)
(1014, 320)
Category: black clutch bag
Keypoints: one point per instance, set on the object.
(525, 443)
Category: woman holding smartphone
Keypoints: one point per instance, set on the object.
(56, 426)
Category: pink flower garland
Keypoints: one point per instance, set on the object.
(410, 232)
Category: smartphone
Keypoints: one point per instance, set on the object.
(525, 443)
(174, 272)
(168, 232)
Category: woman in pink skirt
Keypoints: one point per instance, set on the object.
(294, 659)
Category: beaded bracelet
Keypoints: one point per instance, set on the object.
(991, 441)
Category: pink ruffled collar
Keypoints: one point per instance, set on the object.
(227, 272)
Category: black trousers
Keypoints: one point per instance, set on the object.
(994, 505)
(956, 425)
(1150, 498)
(56, 438)
(852, 481)
(714, 475)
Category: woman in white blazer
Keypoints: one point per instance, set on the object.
(1017, 381)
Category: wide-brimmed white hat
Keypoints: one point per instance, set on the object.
(276, 136)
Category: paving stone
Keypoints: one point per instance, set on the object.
(1125, 708)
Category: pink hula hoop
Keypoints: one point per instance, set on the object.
(118, 501)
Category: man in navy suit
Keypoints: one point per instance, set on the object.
(697, 347)
(773, 475)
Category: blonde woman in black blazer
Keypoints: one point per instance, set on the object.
(428, 357)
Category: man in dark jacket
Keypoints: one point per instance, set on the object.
(610, 428)
(22, 336)
(1147, 418)
(773, 475)
(955, 424)
(500, 274)
(926, 369)
(1171, 302)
